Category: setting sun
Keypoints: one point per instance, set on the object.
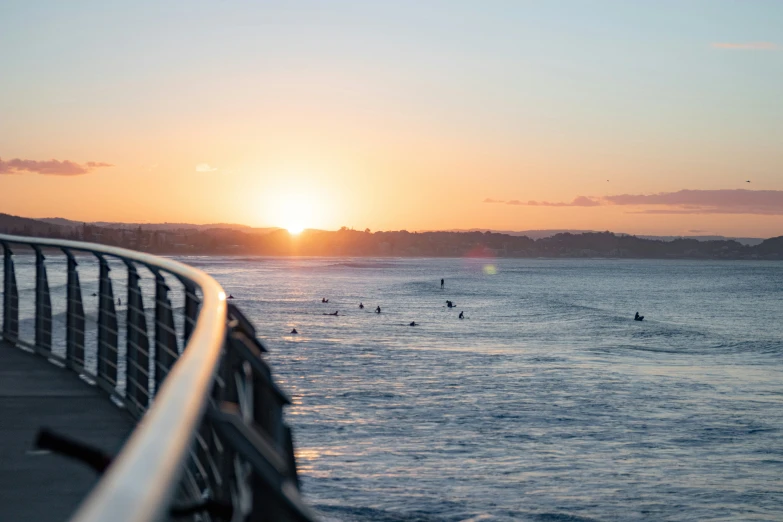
(294, 229)
(294, 212)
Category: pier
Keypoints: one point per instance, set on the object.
(185, 415)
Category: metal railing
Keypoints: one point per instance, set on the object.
(211, 429)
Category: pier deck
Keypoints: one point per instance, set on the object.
(35, 393)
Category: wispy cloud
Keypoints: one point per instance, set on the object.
(50, 167)
(205, 167)
(733, 201)
(736, 201)
(579, 201)
(748, 46)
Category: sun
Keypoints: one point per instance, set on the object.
(294, 213)
(294, 229)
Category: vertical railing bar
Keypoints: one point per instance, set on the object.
(75, 322)
(43, 306)
(165, 342)
(137, 353)
(108, 329)
(10, 298)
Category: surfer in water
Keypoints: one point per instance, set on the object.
(378, 310)
(335, 313)
(324, 300)
(462, 315)
(230, 296)
(361, 306)
(450, 304)
(294, 332)
(413, 323)
(638, 317)
(442, 283)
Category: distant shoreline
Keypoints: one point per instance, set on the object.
(347, 243)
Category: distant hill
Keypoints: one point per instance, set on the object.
(25, 226)
(750, 241)
(532, 234)
(227, 239)
(160, 226)
(540, 234)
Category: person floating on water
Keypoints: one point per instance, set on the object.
(378, 310)
(462, 315)
(294, 332)
(442, 282)
(413, 323)
(638, 317)
(361, 306)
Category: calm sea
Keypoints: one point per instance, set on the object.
(547, 402)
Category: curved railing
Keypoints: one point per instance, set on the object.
(211, 440)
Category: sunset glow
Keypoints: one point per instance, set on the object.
(395, 116)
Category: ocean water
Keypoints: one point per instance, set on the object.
(546, 403)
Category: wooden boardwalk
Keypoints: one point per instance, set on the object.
(35, 393)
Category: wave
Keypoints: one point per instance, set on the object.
(448, 513)
(357, 264)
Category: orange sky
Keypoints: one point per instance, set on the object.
(364, 118)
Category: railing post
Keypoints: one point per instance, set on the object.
(43, 306)
(166, 351)
(10, 298)
(74, 331)
(108, 331)
(191, 309)
(138, 347)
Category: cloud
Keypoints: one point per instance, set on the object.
(579, 201)
(51, 167)
(205, 167)
(490, 200)
(734, 201)
(749, 46)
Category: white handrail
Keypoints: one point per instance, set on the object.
(140, 483)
